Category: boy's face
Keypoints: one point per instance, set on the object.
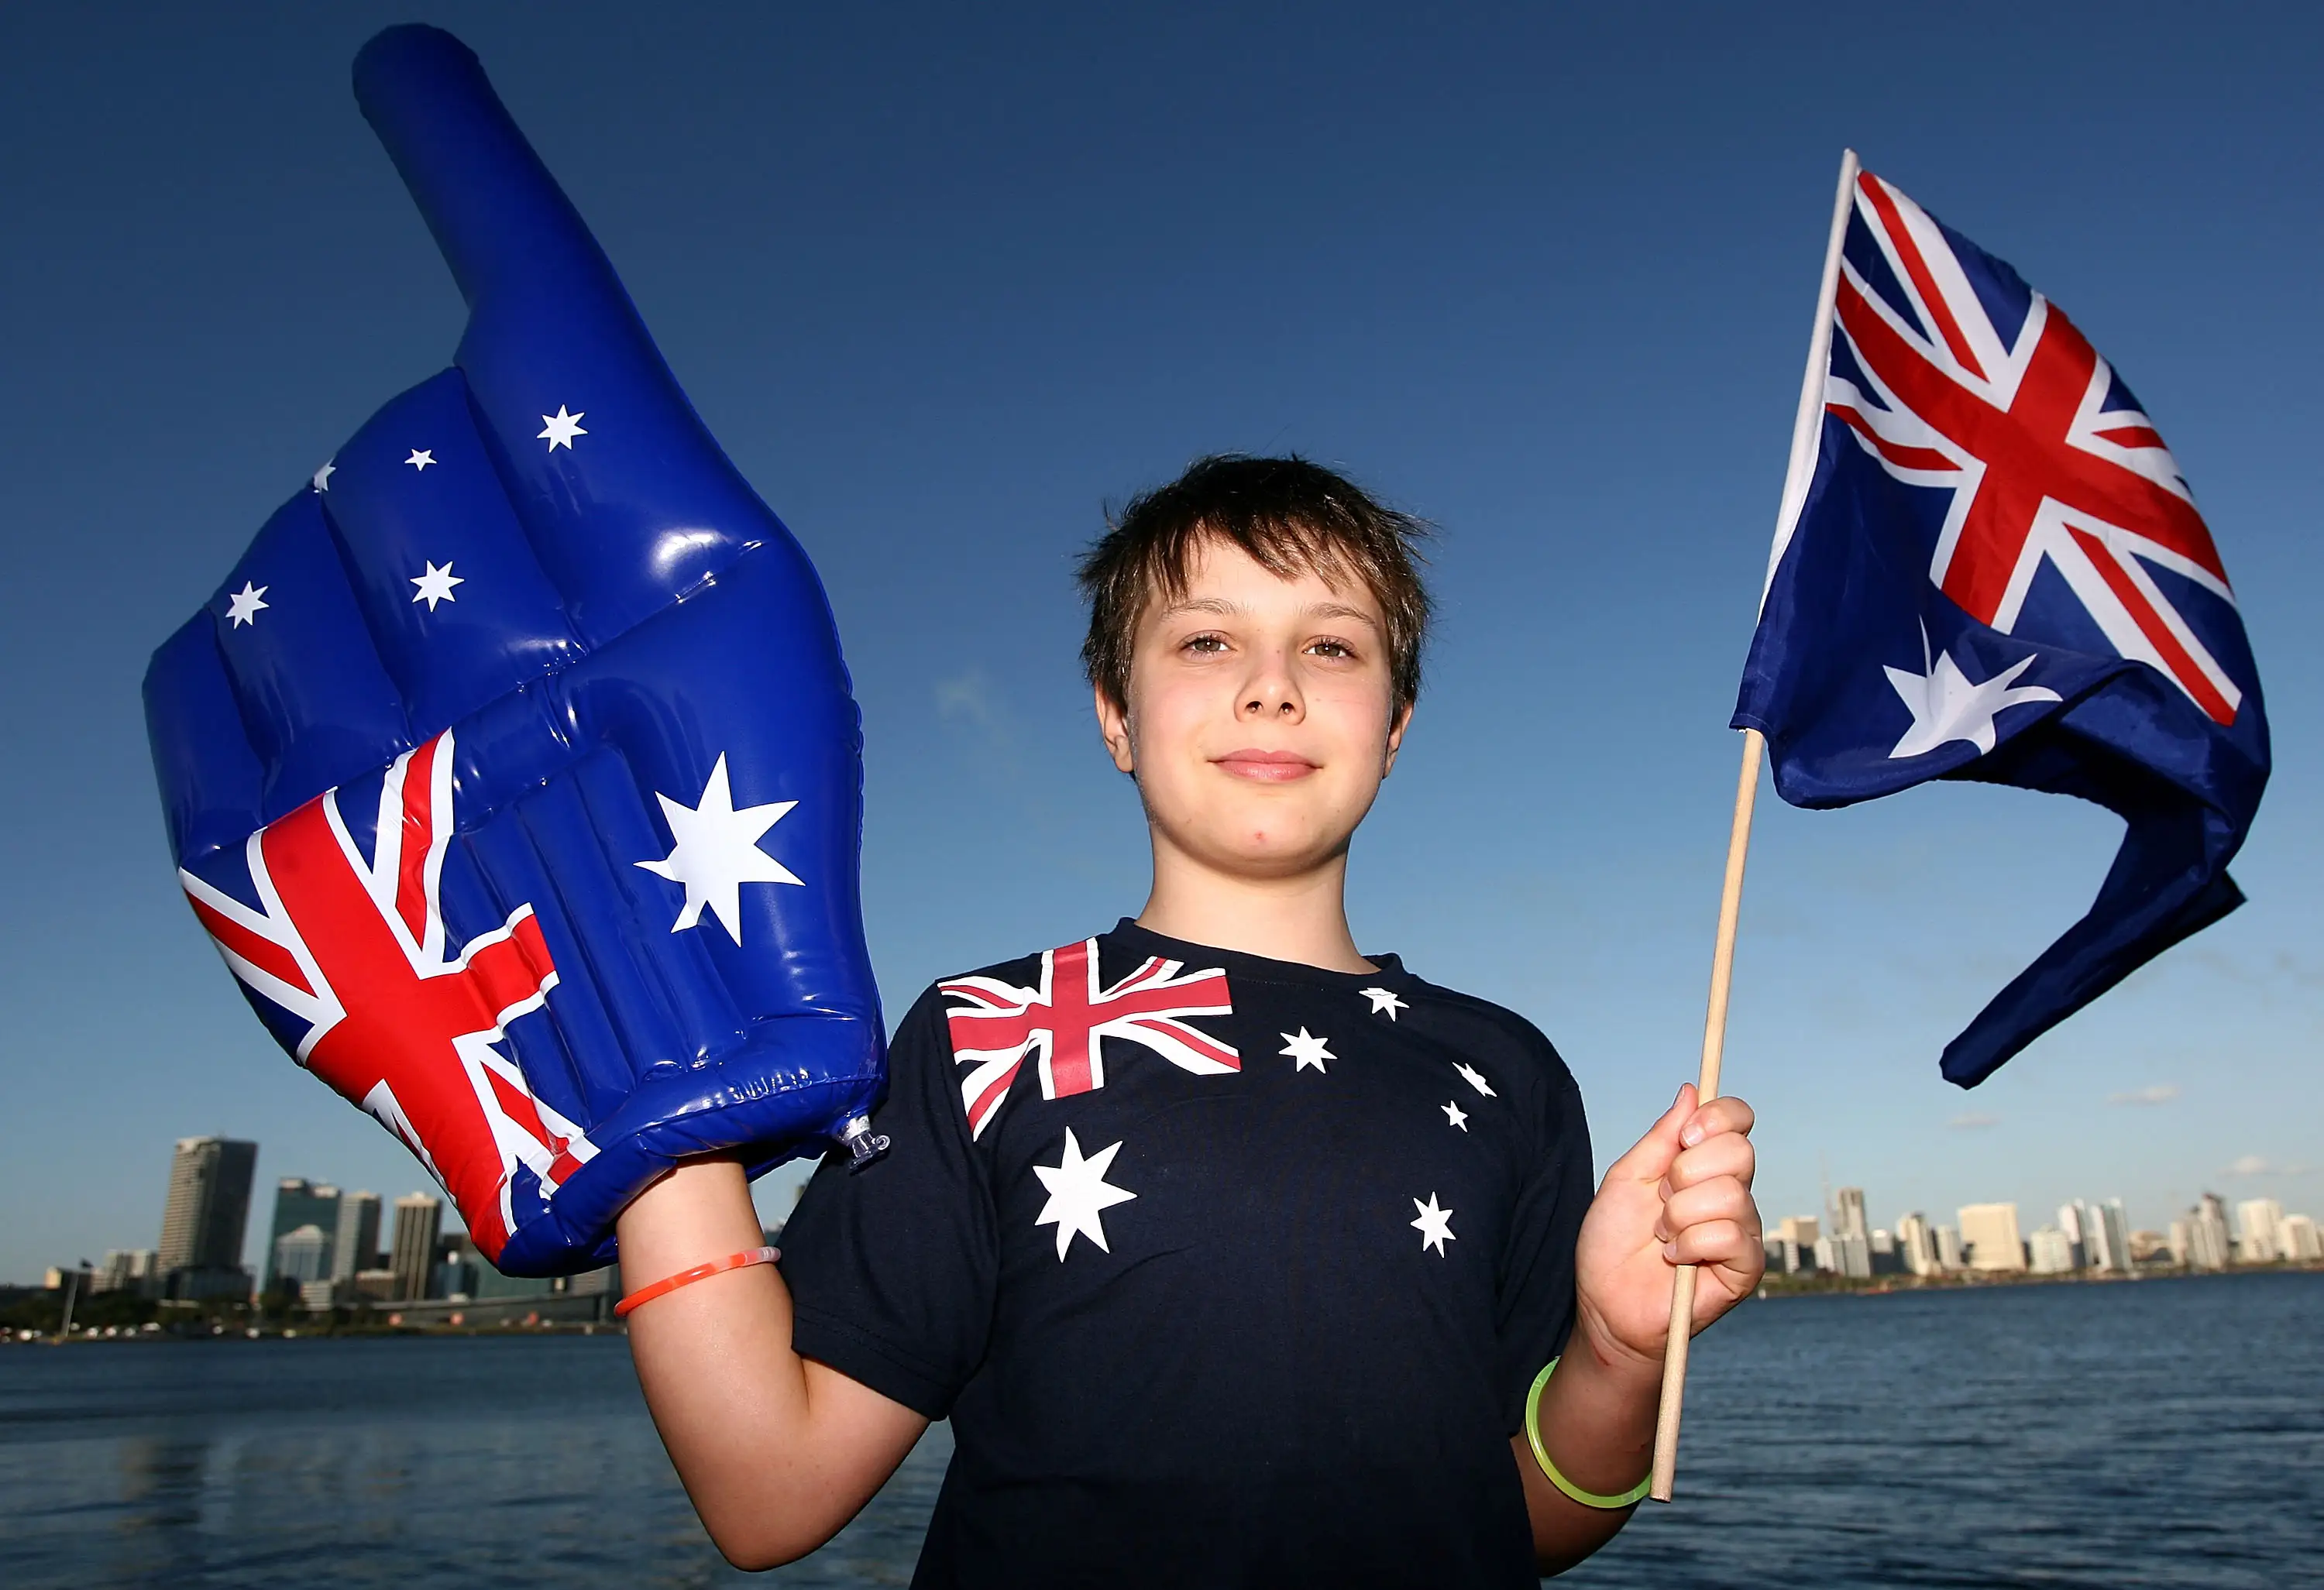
(1260, 719)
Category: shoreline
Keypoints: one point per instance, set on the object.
(1772, 1288)
(1821, 1284)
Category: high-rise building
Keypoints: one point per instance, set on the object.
(301, 1202)
(1851, 1254)
(2255, 1222)
(354, 1244)
(1918, 1243)
(1990, 1231)
(2297, 1239)
(2208, 1246)
(1802, 1229)
(134, 1270)
(1887, 1257)
(2106, 1237)
(1949, 1255)
(419, 1221)
(1850, 1208)
(457, 1262)
(2051, 1253)
(209, 1211)
(299, 1256)
(2072, 1222)
(2182, 1243)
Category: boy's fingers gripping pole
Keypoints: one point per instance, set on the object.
(1714, 1041)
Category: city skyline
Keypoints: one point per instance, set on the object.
(1848, 1210)
(1993, 1238)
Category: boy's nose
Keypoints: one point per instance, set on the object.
(1272, 695)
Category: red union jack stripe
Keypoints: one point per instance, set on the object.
(998, 1023)
(356, 949)
(2019, 428)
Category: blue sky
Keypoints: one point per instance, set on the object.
(946, 282)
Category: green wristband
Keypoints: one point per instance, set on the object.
(1630, 1498)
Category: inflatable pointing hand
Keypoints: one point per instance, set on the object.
(514, 768)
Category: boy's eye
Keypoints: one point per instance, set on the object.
(1337, 648)
(1206, 644)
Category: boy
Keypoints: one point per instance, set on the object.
(1233, 1255)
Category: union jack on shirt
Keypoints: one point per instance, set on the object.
(1064, 1019)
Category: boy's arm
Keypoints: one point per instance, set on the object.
(1683, 1195)
(776, 1451)
(1598, 1421)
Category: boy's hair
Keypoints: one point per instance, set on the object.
(1291, 517)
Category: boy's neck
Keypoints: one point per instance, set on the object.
(1302, 919)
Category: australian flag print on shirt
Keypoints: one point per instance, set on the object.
(1225, 1269)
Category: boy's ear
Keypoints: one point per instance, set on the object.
(1396, 739)
(1113, 723)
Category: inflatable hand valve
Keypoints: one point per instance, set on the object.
(513, 768)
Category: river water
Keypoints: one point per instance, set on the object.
(2157, 1433)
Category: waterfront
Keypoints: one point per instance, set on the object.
(2157, 1433)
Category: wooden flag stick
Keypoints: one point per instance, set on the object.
(1714, 1044)
(1807, 427)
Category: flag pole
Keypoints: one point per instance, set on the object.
(1807, 426)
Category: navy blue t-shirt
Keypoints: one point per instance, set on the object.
(1227, 1270)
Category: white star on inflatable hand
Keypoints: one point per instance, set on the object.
(242, 607)
(1307, 1050)
(323, 476)
(1078, 1193)
(1384, 1001)
(436, 585)
(1474, 1081)
(562, 429)
(714, 851)
(1454, 1116)
(1435, 1224)
(421, 457)
(1946, 706)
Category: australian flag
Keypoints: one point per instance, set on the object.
(1997, 573)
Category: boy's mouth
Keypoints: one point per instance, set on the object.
(1272, 767)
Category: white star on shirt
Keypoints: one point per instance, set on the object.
(1307, 1050)
(323, 476)
(243, 606)
(714, 851)
(421, 457)
(1078, 1193)
(562, 429)
(1469, 1073)
(1384, 1001)
(436, 585)
(1454, 1116)
(1435, 1224)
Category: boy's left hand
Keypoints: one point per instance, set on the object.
(1682, 1196)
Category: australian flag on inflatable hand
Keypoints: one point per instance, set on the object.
(1997, 573)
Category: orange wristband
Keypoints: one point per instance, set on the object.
(741, 1261)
